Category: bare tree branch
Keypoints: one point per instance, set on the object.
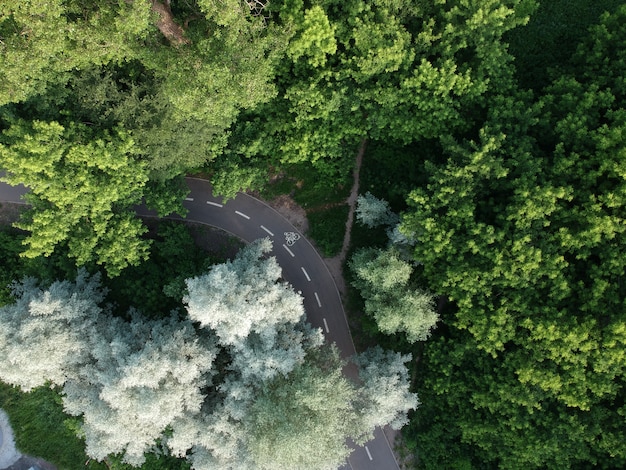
(174, 33)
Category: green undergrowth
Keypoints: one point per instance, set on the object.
(42, 429)
(391, 171)
(309, 186)
(327, 228)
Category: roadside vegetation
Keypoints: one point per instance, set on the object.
(489, 236)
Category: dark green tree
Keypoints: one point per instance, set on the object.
(522, 229)
(388, 70)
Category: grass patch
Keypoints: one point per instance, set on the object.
(327, 228)
(40, 429)
(43, 430)
(309, 186)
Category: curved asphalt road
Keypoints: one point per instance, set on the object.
(250, 219)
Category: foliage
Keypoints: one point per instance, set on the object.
(113, 374)
(10, 248)
(520, 228)
(44, 41)
(55, 324)
(372, 212)
(143, 386)
(327, 228)
(121, 66)
(142, 377)
(214, 299)
(81, 188)
(174, 257)
(384, 281)
(385, 384)
(543, 48)
(286, 419)
(41, 428)
(387, 70)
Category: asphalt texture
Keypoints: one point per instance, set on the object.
(250, 219)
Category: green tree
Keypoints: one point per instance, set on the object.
(43, 41)
(520, 228)
(109, 65)
(384, 282)
(82, 188)
(387, 70)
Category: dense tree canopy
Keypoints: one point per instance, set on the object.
(129, 76)
(389, 70)
(82, 188)
(513, 211)
(270, 396)
(523, 228)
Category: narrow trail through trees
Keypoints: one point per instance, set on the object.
(354, 193)
(335, 264)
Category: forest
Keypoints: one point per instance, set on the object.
(485, 268)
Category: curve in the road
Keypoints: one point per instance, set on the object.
(249, 218)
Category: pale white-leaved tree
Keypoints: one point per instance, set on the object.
(302, 421)
(45, 336)
(144, 376)
(243, 296)
(275, 350)
(255, 388)
(372, 212)
(383, 279)
(385, 388)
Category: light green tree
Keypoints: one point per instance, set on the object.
(385, 70)
(82, 189)
(384, 282)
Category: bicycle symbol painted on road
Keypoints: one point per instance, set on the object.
(291, 238)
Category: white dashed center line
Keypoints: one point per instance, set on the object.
(306, 274)
(368, 453)
(317, 297)
(190, 199)
(288, 250)
(242, 215)
(214, 204)
(267, 230)
(328, 331)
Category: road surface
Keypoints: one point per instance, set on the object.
(249, 219)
